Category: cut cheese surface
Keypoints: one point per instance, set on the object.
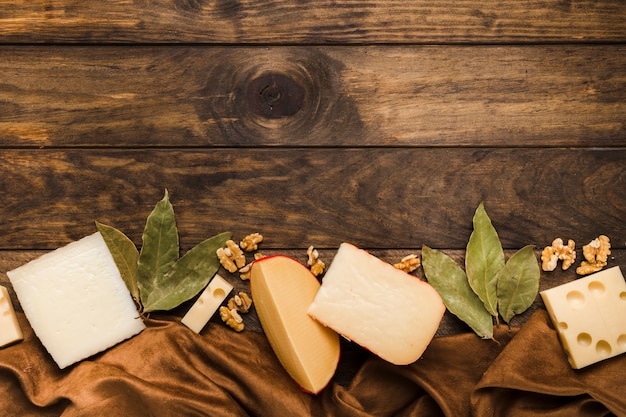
(10, 331)
(207, 304)
(589, 315)
(76, 301)
(391, 313)
(282, 289)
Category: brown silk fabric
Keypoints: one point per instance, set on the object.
(168, 370)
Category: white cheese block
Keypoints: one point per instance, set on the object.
(393, 314)
(207, 304)
(589, 315)
(76, 301)
(10, 331)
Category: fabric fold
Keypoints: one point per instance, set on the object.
(531, 377)
(168, 370)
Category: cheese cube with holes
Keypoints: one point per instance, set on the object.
(76, 301)
(389, 312)
(589, 315)
(282, 289)
(207, 304)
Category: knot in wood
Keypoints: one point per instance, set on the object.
(274, 96)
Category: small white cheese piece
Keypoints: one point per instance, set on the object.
(391, 313)
(76, 301)
(207, 304)
(10, 331)
(589, 315)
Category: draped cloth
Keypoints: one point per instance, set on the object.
(167, 370)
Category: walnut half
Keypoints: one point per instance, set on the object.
(231, 257)
(596, 254)
(231, 318)
(558, 251)
(408, 264)
(314, 262)
(240, 302)
(251, 242)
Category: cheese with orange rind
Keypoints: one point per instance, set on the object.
(387, 311)
(282, 289)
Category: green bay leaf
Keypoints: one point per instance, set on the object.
(160, 248)
(125, 255)
(518, 283)
(188, 276)
(484, 259)
(450, 281)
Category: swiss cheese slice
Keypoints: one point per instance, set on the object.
(282, 289)
(589, 315)
(389, 312)
(76, 301)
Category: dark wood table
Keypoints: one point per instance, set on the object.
(383, 124)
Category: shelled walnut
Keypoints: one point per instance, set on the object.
(231, 257)
(408, 264)
(596, 254)
(244, 271)
(232, 318)
(558, 251)
(251, 242)
(240, 302)
(314, 262)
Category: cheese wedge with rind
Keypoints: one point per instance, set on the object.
(76, 300)
(282, 289)
(387, 311)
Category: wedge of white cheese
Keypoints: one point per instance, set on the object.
(76, 301)
(10, 331)
(391, 313)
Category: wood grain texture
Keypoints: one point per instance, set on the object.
(373, 197)
(487, 96)
(380, 123)
(312, 22)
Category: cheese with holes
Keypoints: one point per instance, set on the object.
(589, 315)
(207, 304)
(76, 301)
(282, 289)
(389, 312)
(10, 331)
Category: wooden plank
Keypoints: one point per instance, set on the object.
(373, 197)
(312, 22)
(313, 96)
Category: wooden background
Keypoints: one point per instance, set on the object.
(381, 123)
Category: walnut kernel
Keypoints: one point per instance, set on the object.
(558, 251)
(596, 254)
(244, 272)
(231, 318)
(231, 257)
(314, 262)
(408, 264)
(251, 242)
(240, 302)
